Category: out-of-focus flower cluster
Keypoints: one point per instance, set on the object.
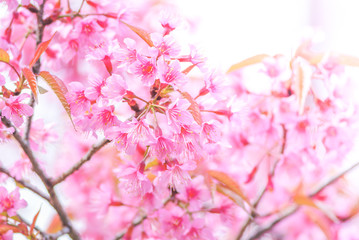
(194, 153)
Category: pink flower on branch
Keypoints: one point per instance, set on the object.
(14, 110)
(145, 68)
(10, 202)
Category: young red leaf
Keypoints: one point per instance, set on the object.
(4, 56)
(188, 69)
(4, 228)
(141, 33)
(59, 89)
(228, 183)
(247, 62)
(34, 221)
(31, 79)
(40, 49)
(193, 108)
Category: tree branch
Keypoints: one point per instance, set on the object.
(37, 65)
(46, 181)
(262, 192)
(292, 209)
(96, 147)
(25, 184)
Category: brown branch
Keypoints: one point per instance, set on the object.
(138, 222)
(25, 184)
(46, 181)
(262, 192)
(37, 65)
(96, 147)
(292, 209)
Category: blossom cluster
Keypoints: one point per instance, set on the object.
(191, 152)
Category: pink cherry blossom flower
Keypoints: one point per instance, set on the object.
(134, 180)
(198, 230)
(79, 103)
(174, 222)
(119, 138)
(21, 168)
(87, 30)
(104, 117)
(14, 110)
(11, 202)
(176, 176)
(128, 55)
(145, 68)
(137, 131)
(169, 22)
(94, 91)
(170, 73)
(178, 115)
(162, 147)
(115, 87)
(211, 131)
(166, 45)
(101, 199)
(8, 235)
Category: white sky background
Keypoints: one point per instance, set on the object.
(232, 30)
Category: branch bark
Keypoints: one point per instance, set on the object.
(294, 208)
(26, 185)
(54, 201)
(96, 147)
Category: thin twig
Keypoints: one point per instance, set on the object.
(96, 147)
(138, 222)
(292, 209)
(262, 192)
(25, 184)
(46, 181)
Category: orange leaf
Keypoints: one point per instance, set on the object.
(247, 62)
(4, 56)
(348, 60)
(59, 89)
(31, 79)
(228, 183)
(304, 200)
(40, 49)
(193, 108)
(302, 82)
(322, 223)
(4, 228)
(34, 221)
(305, 52)
(55, 225)
(141, 33)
